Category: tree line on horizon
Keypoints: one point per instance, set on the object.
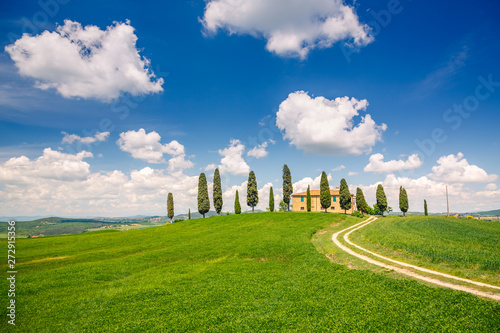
(345, 199)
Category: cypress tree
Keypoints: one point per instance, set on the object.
(426, 213)
(403, 200)
(324, 196)
(217, 192)
(252, 194)
(287, 185)
(271, 200)
(203, 201)
(360, 201)
(170, 206)
(237, 206)
(189, 214)
(345, 196)
(308, 198)
(381, 199)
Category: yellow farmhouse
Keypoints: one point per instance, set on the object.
(299, 202)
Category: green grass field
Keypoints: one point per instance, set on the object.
(463, 247)
(252, 272)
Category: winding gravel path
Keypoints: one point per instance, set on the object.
(407, 272)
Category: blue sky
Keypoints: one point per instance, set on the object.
(186, 86)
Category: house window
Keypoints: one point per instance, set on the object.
(301, 199)
(334, 198)
(332, 208)
(301, 208)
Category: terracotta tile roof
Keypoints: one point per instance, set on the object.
(316, 192)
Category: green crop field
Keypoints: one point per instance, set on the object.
(463, 247)
(248, 273)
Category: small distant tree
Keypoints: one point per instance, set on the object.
(170, 206)
(381, 199)
(283, 207)
(271, 200)
(345, 196)
(403, 200)
(252, 193)
(324, 195)
(237, 206)
(360, 201)
(308, 198)
(203, 201)
(189, 214)
(287, 185)
(426, 213)
(217, 192)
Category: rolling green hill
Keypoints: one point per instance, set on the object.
(463, 247)
(251, 272)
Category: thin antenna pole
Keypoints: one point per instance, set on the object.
(447, 202)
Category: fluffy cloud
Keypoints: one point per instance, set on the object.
(147, 147)
(322, 126)
(259, 151)
(352, 173)
(52, 165)
(86, 62)
(301, 185)
(456, 169)
(70, 138)
(418, 190)
(378, 165)
(232, 161)
(62, 184)
(291, 28)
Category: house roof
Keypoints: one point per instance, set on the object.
(317, 192)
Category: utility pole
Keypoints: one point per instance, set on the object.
(447, 203)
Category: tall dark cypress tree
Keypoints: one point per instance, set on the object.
(252, 193)
(203, 201)
(324, 195)
(271, 200)
(381, 199)
(237, 206)
(217, 192)
(345, 196)
(287, 185)
(403, 200)
(170, 206)
(189, 214)
(308, 198)
(360, 201)
(426, 213)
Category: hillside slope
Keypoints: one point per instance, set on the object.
(253, 272)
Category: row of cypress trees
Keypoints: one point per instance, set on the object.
(253, 196)
(252, 193)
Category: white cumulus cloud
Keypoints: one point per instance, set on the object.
(301, 185)
(291, 28)
(378, 165)
(147, 147)
(85, 62)
(70, 138)
(322, 126)
(232, 160)
(259, 151)
(456, 169)
(51, 165)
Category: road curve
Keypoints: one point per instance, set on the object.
(406, 271)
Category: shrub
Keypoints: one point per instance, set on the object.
(356, 214)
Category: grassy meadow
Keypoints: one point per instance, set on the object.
(463, 247)
(243, 273)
